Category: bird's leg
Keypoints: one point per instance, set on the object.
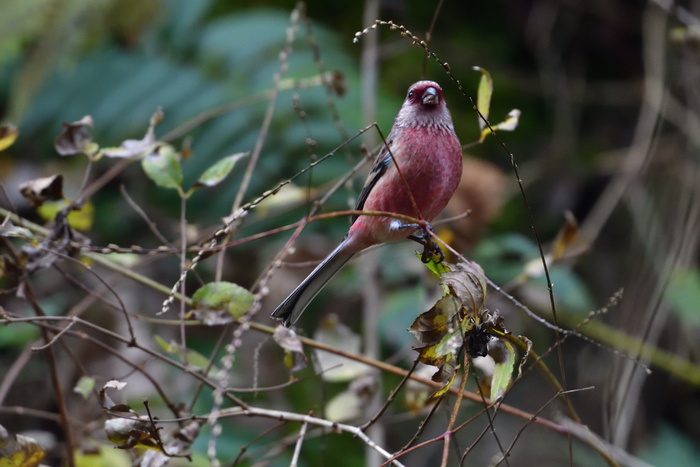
(430, 247)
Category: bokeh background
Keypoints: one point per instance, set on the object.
(610, 132)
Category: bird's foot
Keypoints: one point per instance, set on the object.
(430, 247)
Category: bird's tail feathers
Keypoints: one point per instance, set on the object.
(293, 306)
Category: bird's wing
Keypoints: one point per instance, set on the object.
(380, 165)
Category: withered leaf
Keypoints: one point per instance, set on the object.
(105, 401)
(62, 240)
(131, 148)
(466, 280)
(295, 359)
(443, 328)
(43, 189)
(76, 138)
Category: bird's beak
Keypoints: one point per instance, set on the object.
(430, 96)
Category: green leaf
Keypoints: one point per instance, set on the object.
(217, 302)
(483, 97)
(504, 355)
(169, 347)
(436, 268)
(194, 358)
(220, 170)
(683, 293)
(163, 167)
(84, 386)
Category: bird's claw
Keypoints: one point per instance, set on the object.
(430, 247)
(430, 250)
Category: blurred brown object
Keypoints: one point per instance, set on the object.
(481, 193)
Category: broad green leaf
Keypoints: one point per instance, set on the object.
(220, 170)
(483, 97)
(8, 135)
(84, 386)
(504, 355)
(163, 167)
(218, 302)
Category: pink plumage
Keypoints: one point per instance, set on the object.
(428, 153)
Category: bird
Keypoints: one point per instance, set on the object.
(427, 151)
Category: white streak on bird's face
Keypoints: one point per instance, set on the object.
(424, 107)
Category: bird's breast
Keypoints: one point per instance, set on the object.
(429, 164)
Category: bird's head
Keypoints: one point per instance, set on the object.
(424, 106)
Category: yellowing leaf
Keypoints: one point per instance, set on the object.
(8, 135)
(503, 354)
(80, 219)
(566, 236)
(483, 96)
(26, 452)
(443, 328)
(509, 124)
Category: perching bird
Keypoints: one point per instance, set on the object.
(429, 156)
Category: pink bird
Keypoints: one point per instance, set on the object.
(429, 156)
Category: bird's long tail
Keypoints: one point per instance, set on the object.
(293, 306)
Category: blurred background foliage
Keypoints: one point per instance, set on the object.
(596, 138)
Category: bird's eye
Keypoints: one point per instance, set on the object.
(410, 94)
